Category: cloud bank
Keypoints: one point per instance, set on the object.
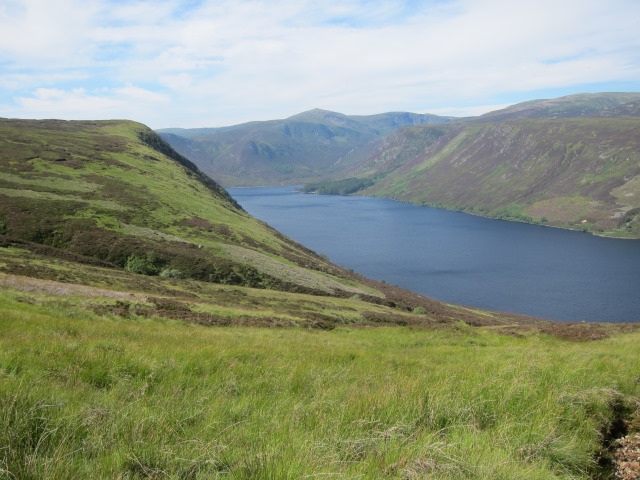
(195, 63)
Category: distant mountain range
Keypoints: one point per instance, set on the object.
(299, 149)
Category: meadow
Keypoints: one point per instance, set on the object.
(90, 395)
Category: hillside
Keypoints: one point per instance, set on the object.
(294, 150)
(570, 106)
(113, 197)
(519, 164)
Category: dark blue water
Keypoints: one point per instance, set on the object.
(460, 258)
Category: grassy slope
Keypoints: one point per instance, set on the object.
(101, 191)
(86, 394)
(565, 171)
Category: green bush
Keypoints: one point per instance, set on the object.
(171, 273)
(147, 265)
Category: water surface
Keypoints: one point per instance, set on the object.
(460, 258)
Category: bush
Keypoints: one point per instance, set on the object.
(147, 265)
(171, 273)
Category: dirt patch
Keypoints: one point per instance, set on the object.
(627, 457)
(49, 287)
(583, 332)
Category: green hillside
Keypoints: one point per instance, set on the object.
(113, 196)
(103, 394)
(290, 151)
(580, 170)
(581, 174)
(150, 328)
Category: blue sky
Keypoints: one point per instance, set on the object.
(207, 63)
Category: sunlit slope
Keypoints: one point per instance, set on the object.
(108, 393)
(108, 190)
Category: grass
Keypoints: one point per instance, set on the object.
(87, 395)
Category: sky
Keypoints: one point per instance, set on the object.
(210, 63)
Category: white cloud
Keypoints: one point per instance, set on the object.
(77, 103)
(219, 62)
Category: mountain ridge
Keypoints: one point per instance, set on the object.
(296, 149)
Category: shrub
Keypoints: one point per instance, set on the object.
(171, 273)
(147, 265)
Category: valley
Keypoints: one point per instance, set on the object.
(151, 328)
(571, 162)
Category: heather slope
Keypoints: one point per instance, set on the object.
(115, 192)
(569, 172)
(571, 162)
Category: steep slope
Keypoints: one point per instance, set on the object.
(572, 173)
(294, 150)
(109, 205)
(114, 191)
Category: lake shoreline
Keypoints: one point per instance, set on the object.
(446, 261)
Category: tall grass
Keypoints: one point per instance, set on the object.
(84, 396)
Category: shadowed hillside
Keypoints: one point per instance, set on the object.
(294, 150)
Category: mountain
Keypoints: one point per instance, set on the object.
(572, 162)
(570, 106)
(109, 205)
(294, 150)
